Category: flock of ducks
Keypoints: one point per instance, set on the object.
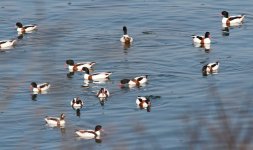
(205, 41)
(86, 67)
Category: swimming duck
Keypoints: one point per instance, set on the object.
(25, 29)
(143, 102)
(137, 81)
(90, 134)
(4, 44)
(231, 20)
(202, 39)
(38, 88)
(206, 46)
(95, 76)
(126, 38)
(55, 121)
(78, 66)
(103, 93)
(76, 103)
(210, 68)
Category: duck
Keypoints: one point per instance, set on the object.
(55, 121)
(231, 20)
(103, 93)
(76, 103)
(206, 46)
(143, 102)
(126, 38)
(39, 88)
(25, 28)
(202, 39)
(5, 44)
(95, 76)
(210, 68)
(137, 81)
(78, 66)
(90, 134)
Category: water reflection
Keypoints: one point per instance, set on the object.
(70, 74)
(98, 139)
(126, 46)
(86, 83)
(34, 97)
(226, 28)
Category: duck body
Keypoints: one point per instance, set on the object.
(126, 38)
(78, 66)
(90, 134)
(95, 76)
(231, 20)
(137, 81)
(55, 121)
(25, 28)
(39, 88)
(5, 44)
(77, 103)
(143, 102)
(202, 39)
(210, 68)
(103, 93)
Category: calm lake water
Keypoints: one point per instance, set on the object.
(193, 112)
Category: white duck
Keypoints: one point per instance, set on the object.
(78, 66)
(143, 102)
(5, 44)
(90, 134)
(231, 20)
(25, 29)
(76, 103)
(137, 81)
(95, 76)
(126, 38)
(39, 88)
(55, 121)
(202, 39)
(103, 93)
(210, 68)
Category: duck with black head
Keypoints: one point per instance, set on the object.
(26, 28)
(126, 38)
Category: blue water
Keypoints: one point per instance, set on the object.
(190, 104)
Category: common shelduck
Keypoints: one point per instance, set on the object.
(25, 29)
(143, 102)
(210, 68)
(78, 66)
(126, 38)
(231, 20)
(202, 39)
(206, 46)
(95, 76)
(103, 93)
(90, 134)
(5, 44)
(39, 88)
(137, 81)
(55, 121)
(76, 103)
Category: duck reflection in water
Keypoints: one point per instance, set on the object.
(70, 74)
(225, 30)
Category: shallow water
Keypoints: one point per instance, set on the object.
(162, 49)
